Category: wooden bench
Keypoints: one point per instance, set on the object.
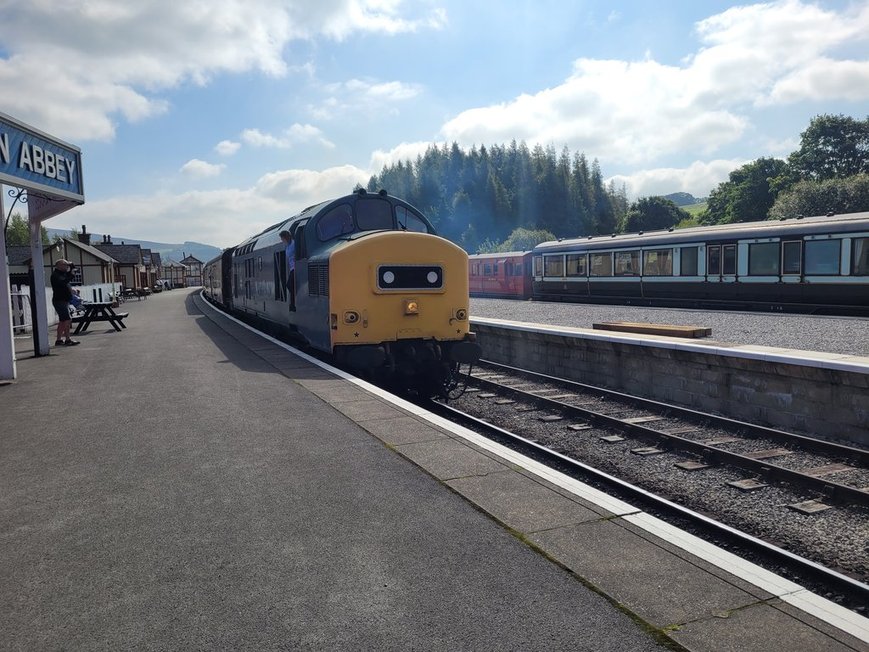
(654, 329)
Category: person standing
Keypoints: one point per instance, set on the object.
(290, 251)
(61, 279)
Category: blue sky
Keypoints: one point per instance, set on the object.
(208, 120)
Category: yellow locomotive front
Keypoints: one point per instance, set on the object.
(399, 307)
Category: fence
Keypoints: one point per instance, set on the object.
(22, 319)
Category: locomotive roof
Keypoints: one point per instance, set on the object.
(768, 228)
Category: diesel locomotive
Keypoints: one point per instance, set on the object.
(376, 289)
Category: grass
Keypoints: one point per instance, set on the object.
(694, 209)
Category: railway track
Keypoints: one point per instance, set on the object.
(687, 466)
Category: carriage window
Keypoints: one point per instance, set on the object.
(791, 257)
(822, 256)
(336, 222)
(487, 269)
(763, 259)
(689, 261)
(729, 257)
(553, 266)
(601, 264)
(508, 269)
(538, 265)
(517, 269)
(495, 269)
(577, 265)
(658, 262)
(627, 263)
(408, 221)
(374, 214)
(713, 267)
(860, 257)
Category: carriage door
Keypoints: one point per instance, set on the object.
(298, 232)
(721, 263)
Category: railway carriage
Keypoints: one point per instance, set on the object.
(501, 275)
(375, 288)
(820, 262)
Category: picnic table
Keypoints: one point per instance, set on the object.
(99, 311)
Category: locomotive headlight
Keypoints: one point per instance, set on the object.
(432, 277)
(388, 277)
(461, 314)
(351, 317)
(411, 307)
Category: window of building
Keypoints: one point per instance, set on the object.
(763, 259)
(577, 265)
(627, 263)
(553, 266)
(792, 257)
(658, 262)
(860, 257)
(689, 256)
(822, 256)
(601, 264)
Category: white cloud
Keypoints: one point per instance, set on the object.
(402, 152)
(110, 59)
(227, 147)
(214, 216)
(291, 136)
(200, 169)
(699, 179)
(638, 112)
(363, 96)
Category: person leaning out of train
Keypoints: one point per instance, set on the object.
(287, 239)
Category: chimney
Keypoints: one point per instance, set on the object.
(84, 237)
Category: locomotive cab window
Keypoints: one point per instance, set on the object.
(374, 215)
(763, 259)
(337, 222)
(822, 257)
(792, 257)
(407, 221)
(860, 257)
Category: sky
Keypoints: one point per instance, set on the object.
(207, 120)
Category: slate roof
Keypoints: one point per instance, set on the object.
(18, 254)
(190, 260)
(155, 259)
(125, 254)
(93, 251)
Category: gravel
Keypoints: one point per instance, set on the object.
(843, 335)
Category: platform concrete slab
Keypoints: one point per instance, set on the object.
(403, 430)
(659, 586)
(448, 459)
(369, 408)
(520, 502)
(334, 390)
(756, 627)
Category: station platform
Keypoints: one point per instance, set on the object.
(189, 483)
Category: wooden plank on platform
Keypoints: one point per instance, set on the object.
(669, 330)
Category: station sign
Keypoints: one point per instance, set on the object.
(48, 168)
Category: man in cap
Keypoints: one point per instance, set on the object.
(61, 278)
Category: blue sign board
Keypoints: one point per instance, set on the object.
(38, 162)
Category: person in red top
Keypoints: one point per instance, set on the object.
(61, 279)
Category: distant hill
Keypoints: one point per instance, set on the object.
(166, 250)
(683, 198)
